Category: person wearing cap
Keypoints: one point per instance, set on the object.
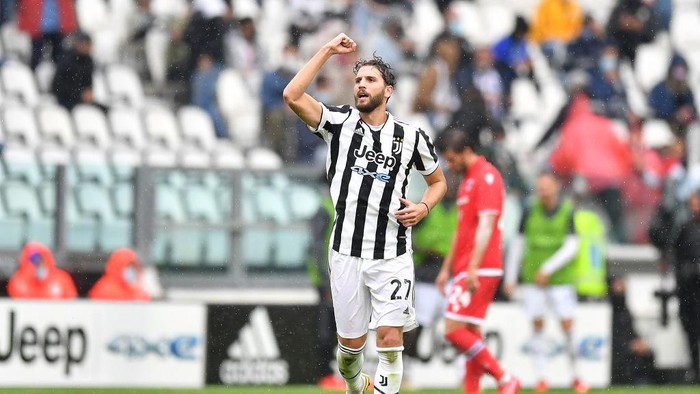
(38, 277)
(121, 280)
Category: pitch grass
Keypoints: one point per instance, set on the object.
(315, 390)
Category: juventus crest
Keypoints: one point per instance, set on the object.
(397, 145)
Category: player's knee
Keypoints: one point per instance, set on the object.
(389, 337)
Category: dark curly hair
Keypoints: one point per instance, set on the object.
(383, 67)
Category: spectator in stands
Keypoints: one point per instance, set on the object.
(121, 280)
(583, 52)
(511, 55)
(138, 25)
(554, 25)
(497, 153)
(47, 22)
(205, 32)
(687, 267)
(672, 99)
(277, 120)
(437, 92)
(242, 50)
(392, 43)
(7, 11)
(489, 82)
(204, 91)
(632, 358)
(632, 22)
(72, 82)
(594, 158)
(606, 90)
(37, 276)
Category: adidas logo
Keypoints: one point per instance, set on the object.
(359, 130)
(406, 311)
(254, 358)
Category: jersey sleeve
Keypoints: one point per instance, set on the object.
(425, 157)
(332, 117)
(489, 199)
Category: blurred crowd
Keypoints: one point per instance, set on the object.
(621, 158)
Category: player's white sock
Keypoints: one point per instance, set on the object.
(387, 380)
(539, 354)
(571, 351)
(350, 366)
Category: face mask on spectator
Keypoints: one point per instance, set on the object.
(130, 275)
(456, 28)
(41, 272)
(608, 63)
(679, 73)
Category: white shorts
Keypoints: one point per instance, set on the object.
(562, 298)
(430, 304)
(371, 293)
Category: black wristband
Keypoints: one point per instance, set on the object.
(426, 205)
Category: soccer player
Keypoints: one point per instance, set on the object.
(369, 159)
(474, 260)
(546, 246)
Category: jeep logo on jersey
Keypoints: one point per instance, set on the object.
(375, 157)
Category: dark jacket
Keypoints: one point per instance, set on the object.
(73, 76)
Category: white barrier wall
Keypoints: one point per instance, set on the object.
(97, 344)
(507, 332)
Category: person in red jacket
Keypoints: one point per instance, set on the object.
(121, 280)
(46, 21)
(38, 277)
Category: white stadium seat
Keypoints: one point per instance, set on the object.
(18, 80)
(263, 159)
(124, 85)
(20, 126)
(92, 15)
(56, 126)
(127, 127)
(91, 126)
(162, 129)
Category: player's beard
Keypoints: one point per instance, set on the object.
(371, 105)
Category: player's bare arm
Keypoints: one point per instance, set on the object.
(305, 106)
(445, 271)
(412, 213)
(484, 230)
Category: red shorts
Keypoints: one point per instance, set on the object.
(463, 306)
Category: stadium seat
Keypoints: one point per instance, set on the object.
(91, 166)
(19, 84)
(240, 106)
(271, 204)
(260, 158)
(291, 247)
(122, 7)
(21, 164)
(656, 133)
(106, 44)
(200, 202)
(217, 248)
(13, 228)
(304, 201)
(43, 74)
(20, 126)
(651, 63)
(91, 126)
(22, 201)
(124, 85)
(156, 46)
(92, 15)
(123, 193)
(99, 88)
(169, 9)
(636, 98)
(162, 129)
(498, 21)
(56, 126)
(526, 101)
(82, 230)
(96, 201)
(685, 29)
(426, 24)
(17, 45)
(198, 132)
(257, 244)
(127, 127)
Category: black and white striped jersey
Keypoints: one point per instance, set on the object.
(368, 172)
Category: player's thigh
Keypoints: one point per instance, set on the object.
(563, 299)
(467, 307)
(534, 300)
(351, 298)
(391, 285)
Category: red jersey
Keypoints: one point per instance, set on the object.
(481, 191)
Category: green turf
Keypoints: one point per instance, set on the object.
(315, 390)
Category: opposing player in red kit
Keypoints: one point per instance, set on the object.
(475, 259)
